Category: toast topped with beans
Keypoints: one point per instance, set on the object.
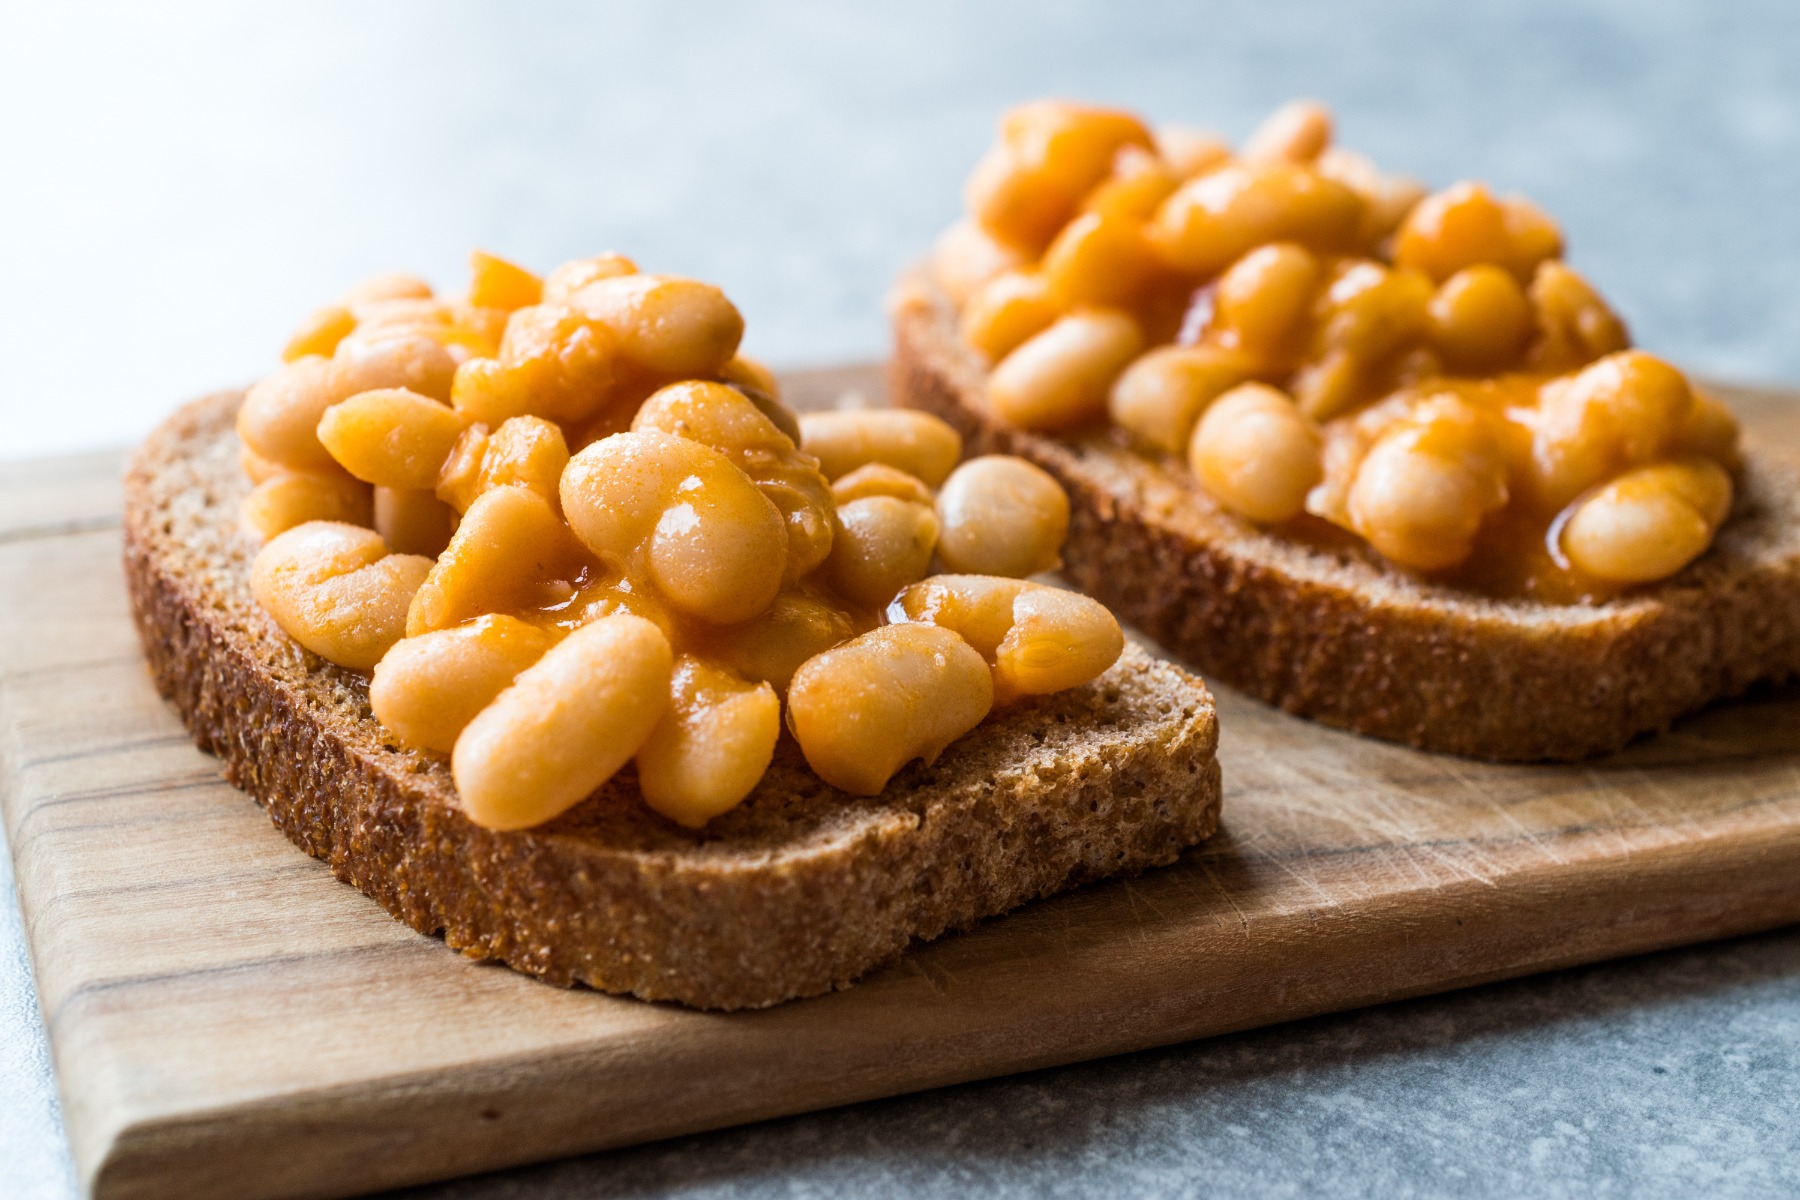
(1374, 455)
(538, 616)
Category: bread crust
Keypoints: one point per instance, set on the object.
(1349, 641)
(798, 891)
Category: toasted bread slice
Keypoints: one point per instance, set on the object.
(1346, 639)
(797, 891)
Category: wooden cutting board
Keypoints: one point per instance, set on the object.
(229, 1021)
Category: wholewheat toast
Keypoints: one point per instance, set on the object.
(1342, 637)
(799, 890)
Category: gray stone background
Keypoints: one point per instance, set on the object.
(178, 183)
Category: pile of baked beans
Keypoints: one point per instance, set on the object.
(1333, 350)
(566, 526)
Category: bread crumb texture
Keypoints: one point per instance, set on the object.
(796, 892)
(1344, 639)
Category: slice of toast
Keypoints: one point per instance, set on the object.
(797, 891)
(1344, 638)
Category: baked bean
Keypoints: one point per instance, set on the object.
(915, 442)
(565, 725)
(1575, 325)
(1216, 218)
(1480, 319)
(475, 331)
(1418, 510)
(1368, 322)
(606, 592)
(1161, 395)
(1001, 516)
(1648, 523)
(747, 373)
(1712, 432)
(1099, 259)
(261, 470)
(1415, 366)
(1459, 227)
(772, 646)
(1190, 151)
(416, 355)
(712, 745)
(1260, 302)
(882, 544)
(1330, 385)
(508, 553)
(458, 329)
(615, 418)
(672, 327)
(496, 283)
(1424, 488)
(410, 360)
(391, 285)
(413, 522)
(685, 516)
(320, 333)
(375, 318)
(1536, 237)
(577, 273)
(1625, 410)
(965, 257)
(1037, 639)
(1299, 131)
(526, 452)
(336, 590)
(1050, 155)
(715, 415)
(553, 362)
(767, 403)
(864, 709)
(1007, 310)
(426, 689)
(288, 499)
(733, 423)
(1256, 453)
(523, 452)
(1386, 198)
(802, 497)
(1370, 311)
(1060, 378)
(1058, 640)
(419, 321)
(280, 415)
(1466, 224)
(977, 608)
(556, 331)
(879, 479)
(1345, 443)
(1389, 204)
(391, 437)
(1139, 183)
(459, 479)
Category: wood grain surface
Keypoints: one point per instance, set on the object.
(229, 1021)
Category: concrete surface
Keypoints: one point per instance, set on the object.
(182, 181)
